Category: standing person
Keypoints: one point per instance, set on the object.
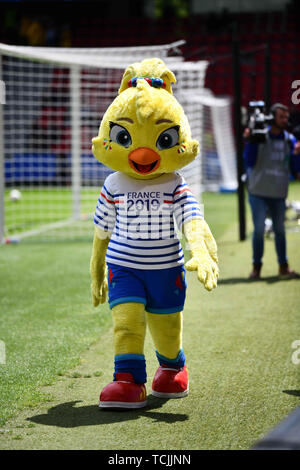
(268, 167)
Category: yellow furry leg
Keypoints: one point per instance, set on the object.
(166, 331)
(129, 328)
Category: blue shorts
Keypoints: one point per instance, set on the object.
(160, 290)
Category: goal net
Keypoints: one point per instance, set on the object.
(53, 103)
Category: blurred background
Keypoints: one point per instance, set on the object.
(233, 50)
(206, 27)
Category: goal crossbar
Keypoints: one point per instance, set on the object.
(111, 57)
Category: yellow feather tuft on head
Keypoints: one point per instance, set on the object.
(152, 68)
(144, 100)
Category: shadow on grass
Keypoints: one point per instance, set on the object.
(246, 280)
(296, 393)
(67, 415)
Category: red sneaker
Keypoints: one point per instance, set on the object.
(170, 382)
(123, 393)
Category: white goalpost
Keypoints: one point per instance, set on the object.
(54, 101)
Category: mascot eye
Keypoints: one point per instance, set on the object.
(168, 138)
(119, 135)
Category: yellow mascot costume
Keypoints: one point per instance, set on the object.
(137, 256)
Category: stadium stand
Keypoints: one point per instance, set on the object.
(207, 37)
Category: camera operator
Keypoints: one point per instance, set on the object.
(268, 165)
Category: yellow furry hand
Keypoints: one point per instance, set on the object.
(99, 287)
(206, 268)
(98, 268)
(204, 252)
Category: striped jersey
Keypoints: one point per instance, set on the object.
(141, 216)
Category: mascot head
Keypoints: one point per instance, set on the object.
(145, 132)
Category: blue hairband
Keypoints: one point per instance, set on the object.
(155, 82)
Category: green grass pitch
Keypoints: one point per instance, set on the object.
(42, 206)
(237, 339)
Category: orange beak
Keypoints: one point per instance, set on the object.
(144, 160)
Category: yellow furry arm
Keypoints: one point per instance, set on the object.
(204, 252)
(98, 267)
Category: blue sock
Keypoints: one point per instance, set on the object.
(179, 361)
(133, 364)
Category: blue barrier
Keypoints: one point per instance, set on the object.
(34, 168)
